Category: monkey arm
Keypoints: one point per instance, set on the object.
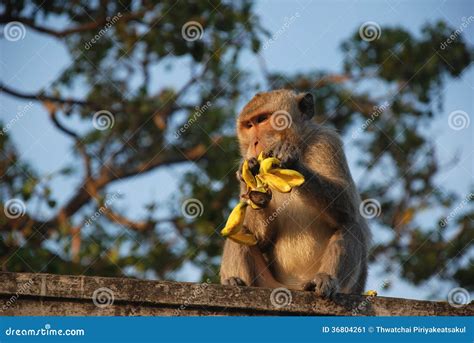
(328, 180)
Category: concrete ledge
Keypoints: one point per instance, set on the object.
(27, 294)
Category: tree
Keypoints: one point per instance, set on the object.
(138, 129)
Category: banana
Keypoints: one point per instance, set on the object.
(267, 164)
(248, 176)
(371, 293)
(243, 238)
(292, 177)
(275, 182)
(235, 220)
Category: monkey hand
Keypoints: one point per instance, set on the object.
(287, 153)
(323, 285)
(234, 281)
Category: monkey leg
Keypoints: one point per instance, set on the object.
(245, 266)
(340, 266)
(237, 267)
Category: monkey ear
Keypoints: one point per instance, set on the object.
(306, 104)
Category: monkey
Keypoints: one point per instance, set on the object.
(312, 238)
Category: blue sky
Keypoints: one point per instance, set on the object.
(311, 42)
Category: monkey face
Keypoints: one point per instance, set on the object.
(270, 118)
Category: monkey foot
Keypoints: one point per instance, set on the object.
(323, 285)
(234, 281)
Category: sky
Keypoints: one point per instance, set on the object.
(310, 41)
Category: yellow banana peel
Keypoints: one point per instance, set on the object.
(235, 220)
(371, 293)
(244, 238)
(247, 175)
(269, 177)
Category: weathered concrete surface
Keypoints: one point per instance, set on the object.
(59, 295)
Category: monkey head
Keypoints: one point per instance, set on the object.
(270, 118)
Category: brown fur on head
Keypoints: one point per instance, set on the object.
(270, 117)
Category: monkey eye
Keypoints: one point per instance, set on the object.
(263, 117)
(247, 124)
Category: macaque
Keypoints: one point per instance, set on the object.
(312, 238)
